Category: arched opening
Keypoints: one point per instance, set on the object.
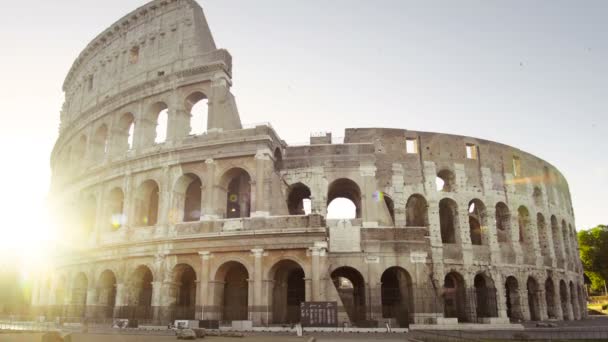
(485, 296)
(543, 237)
(116, 202)
(232, 291)
(565, 239)
(573, 301)
(89, 214)
(140, 294)
(351, 288)
(563, 294)
(288, 291)
(238, 193)
(298, 201)
(183, 293)
(557, 241)
(523, 216)
(533, 299)
(79, 295)
(416, 212)
(397, 295)
(477, 222)
(550, 298)
(448, 220)
(537, 194)
(343, 194)
(445, 181)
(107, 294)
(160, 116)
(514, 311)
(78, 152)
(192, 200)
(124, 133)
(454, 297)
(99, 144)
(147, 199)
(503, 222)
(198, 106)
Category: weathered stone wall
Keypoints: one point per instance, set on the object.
(208, 215)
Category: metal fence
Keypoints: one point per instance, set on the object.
(548, 334)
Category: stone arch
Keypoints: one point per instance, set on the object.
(231, 293)
(197, 105)
(543, 237)
(563, 296)
(116, 202)
(278, 159)
(80, 285)
(99, 143)
(344, 188)
(454, 297)
(139, 289)
(512, 292)
(106, 292)
(147, 198)
(573, 301)
(478, 222)
(124, 134)
(485, 296)
(534, 294)
(288, 291)
(416, 211)
(503, 223)
(446, 181)
(397, 295)
(158, 115)
(298, 199)
(550, 298)
(187, 198)
(523, 219)
(557, 241)
(350, 285)
(388, 218)
(236, 184)
(181, 297)
(566, 239)
(448, 220)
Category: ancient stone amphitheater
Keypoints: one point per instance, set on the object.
(231, 223)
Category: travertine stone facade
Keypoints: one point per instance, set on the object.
(214, 226)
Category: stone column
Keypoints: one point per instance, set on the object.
(464, 232)
(91, 309)
(210, 211)
(374, 294)
(318, 190)
(315, 287)
(178, 126)
(262, 197)
(203, 298)
(129, 201)
(542, 303)
(368, 204)
(157, 287)
(100, 217)
(121, 300)
(524, 303)
(257, 308)
(569, 303)
(501, 297)
(490, 233)
(557, 302)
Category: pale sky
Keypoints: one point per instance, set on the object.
(531, 74)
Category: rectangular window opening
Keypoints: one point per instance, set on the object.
(471, 151)
(134, 55)
(411, 145)
(516, 166)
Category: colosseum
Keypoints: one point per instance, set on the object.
(230, 223)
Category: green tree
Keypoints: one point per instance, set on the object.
(593, 245)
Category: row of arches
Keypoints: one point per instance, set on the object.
(562, 235)
(156, 124)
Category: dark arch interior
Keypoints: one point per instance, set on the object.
(533, 299)
(288, 292)
(485, 294)
(295, 201)
(107, 293)
(186, 292)
(238, 195)
(448, 220)
(192, 200)
(454, 297)
(550, 298)
(416, 212)
(396, 295)
(503, 222)
(514, 311)
(351, 288)
(236, 293)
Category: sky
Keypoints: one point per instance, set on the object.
(533, 75)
